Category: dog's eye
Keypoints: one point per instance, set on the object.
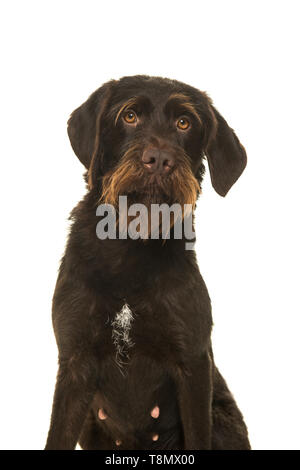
(130, 117)
(183, 123)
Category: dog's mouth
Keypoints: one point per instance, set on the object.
(173, 192)
(130, 178)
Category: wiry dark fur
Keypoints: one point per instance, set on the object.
(170, 363)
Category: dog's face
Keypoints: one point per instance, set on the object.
(146, 137)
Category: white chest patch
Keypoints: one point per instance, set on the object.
(121, 326)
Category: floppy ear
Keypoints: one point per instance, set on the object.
(226, 157)
(84, 124)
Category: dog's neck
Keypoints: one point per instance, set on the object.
(110, 261)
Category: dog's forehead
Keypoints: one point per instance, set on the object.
(155, 89)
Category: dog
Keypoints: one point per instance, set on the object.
(132, 316)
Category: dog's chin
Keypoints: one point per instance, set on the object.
(152, 190)
(148, 199)
(147, 190)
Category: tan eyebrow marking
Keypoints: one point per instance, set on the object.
(128, 103)
(185, 103)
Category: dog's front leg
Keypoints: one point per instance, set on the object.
(195, 403)
(73, 394)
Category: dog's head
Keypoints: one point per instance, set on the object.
(146, 137)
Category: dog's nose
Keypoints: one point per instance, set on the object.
(157, 160)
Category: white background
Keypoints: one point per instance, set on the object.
(245, 54)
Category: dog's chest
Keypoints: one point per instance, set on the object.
(135, 331)
(164, 321)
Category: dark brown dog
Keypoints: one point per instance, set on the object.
(132, 318)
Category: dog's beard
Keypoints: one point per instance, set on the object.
(130, 179)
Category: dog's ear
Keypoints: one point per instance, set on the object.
(226, 156)
(84, 124)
